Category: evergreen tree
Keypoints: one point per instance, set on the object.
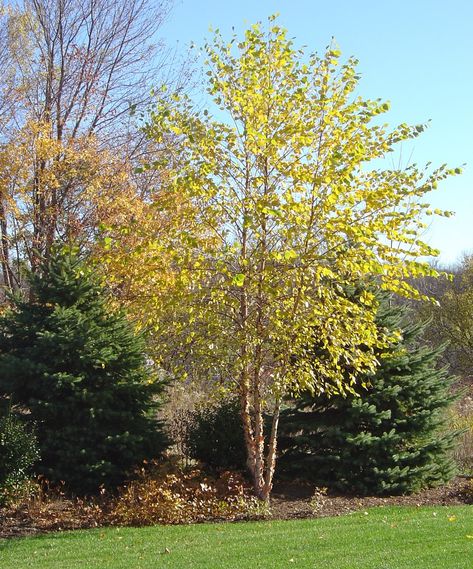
(391, 437)
(80, 371)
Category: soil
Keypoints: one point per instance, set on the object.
(293, 500)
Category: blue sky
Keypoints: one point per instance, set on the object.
(417, 54)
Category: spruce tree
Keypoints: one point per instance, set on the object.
(390, 437)
(80, 371)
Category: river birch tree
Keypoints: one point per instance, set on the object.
(285, 176)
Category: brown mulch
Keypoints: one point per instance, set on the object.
(289, 501)
(57, 514)
(292, 501)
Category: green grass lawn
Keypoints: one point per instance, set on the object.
(381, 538)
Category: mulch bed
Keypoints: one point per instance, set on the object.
(289, 501)
(293, 501)
(55, 515)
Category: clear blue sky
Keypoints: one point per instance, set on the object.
(417, 54)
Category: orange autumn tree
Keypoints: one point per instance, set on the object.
(63, 199)
(284, 179)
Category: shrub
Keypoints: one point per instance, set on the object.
(18, 453)
(215, 436)
(184, 497)
(81, 371)
(467, 493)
(177, 412)
(463, 452)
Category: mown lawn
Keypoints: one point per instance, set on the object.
(381, 538)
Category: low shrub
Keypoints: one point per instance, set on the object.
(184, 497)
(467, 493)
(215, 437)
(318, 500)
(18, 453)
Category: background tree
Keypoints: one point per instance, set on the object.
(79, 68)
(9, 94)
(450, 322)
(283, 186)
(81, 372)
(391, 437)
(95, 174)
(451, 317)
